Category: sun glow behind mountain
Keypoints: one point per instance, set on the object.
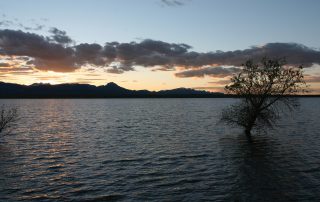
(159, 53)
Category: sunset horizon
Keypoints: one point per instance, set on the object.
(47, 49)
(159, 100)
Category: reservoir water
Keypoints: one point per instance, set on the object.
(155, 150)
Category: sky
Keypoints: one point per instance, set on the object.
(154, 44)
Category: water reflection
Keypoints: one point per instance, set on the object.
(263, 170)
(153, 149)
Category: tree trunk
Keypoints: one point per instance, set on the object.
(248, 131)
(250, 125)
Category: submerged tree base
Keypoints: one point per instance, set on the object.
(247, 132)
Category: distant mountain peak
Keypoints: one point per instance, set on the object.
(40, 84)
(110, 90)
(112, 84)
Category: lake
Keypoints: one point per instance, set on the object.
(155, 150)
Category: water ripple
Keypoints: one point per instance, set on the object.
(155, 150)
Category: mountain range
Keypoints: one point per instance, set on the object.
(110, 90)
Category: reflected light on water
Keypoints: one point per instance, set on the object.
(155, 149)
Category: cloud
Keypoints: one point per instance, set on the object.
(219, 72)
(59, 53)
(15, 69)
(36, 28)
(312, 79)
(60, 36)
(151, 53)
(161, 68)
(295, 55)
(221, 82)
(45, 55)
(172, 2)
(4, 64)
(47, 77)
(5, 22)
(114, 70)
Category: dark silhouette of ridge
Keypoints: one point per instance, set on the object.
(110, 90)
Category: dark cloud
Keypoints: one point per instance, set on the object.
(15, 69)
(90, 54)
(23, 58)
(295, 55)
(46, 55)
(59, 53)
(172, 2)
(114, 70)
(219, 72)
(151, 53)
(4, 64)
(60, 36)
(164, 68)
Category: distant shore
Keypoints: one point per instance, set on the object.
(135, 97)
(110, 90)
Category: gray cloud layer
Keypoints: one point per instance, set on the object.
(4, 64)
(60, 36)
(219, 72)
(4, 22)
(172, 2)
(312, 79)
(58, 53)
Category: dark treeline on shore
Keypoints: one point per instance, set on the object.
(110, 90)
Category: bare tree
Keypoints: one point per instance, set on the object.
(7, 118)
(265, 90)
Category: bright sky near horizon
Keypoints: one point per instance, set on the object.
(164, 32)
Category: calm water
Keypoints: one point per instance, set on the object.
(155, 150)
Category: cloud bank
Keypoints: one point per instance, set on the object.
(172, 2)
(218, 72)
(59, 53)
